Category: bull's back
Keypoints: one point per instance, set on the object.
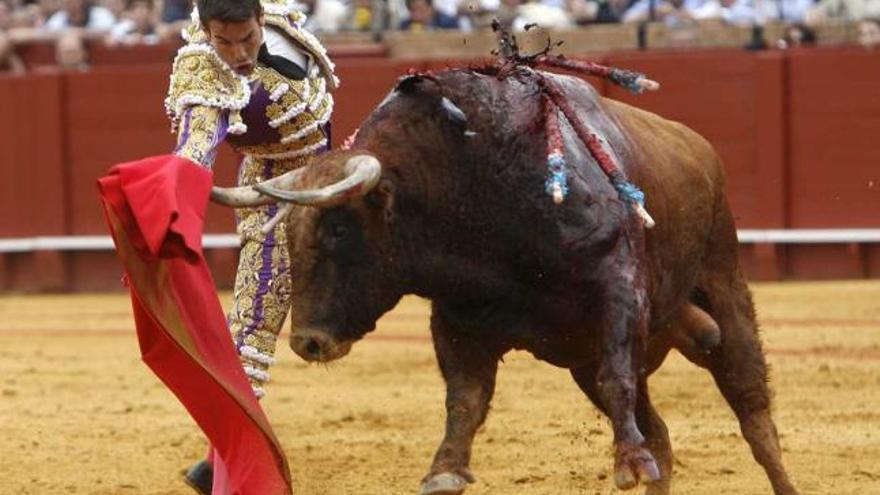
(678, 170)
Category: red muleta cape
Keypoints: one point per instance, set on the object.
(155, 209)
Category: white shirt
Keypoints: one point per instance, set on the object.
(126, 27)
(282, 46)
(100, 19)
(740, 13)
(792, 10)
(643, 6)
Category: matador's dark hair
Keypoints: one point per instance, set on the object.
(227, 10)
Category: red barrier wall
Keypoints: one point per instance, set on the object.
(796, 130)
(834, 110)
(32, 192)
(34, 188)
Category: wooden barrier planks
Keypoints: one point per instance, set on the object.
(834, 140)
(33, 189)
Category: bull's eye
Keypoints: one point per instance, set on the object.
(339, 231)
(341, 236)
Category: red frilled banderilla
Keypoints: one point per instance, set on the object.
(555, 102)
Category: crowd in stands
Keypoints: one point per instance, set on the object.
(123, 22)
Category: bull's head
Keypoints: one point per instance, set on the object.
(347, 267)
(340, 248)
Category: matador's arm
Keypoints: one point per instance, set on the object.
(202, 129)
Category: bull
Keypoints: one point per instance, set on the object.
(441, 194)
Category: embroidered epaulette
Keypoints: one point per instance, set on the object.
(200, 77)
(282, 14)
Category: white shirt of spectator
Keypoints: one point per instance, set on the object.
(126, 27)
(791, 10)
(544, 14)
(740, 13)
(328, 16)
(448, 7)
(641, 7)
(100, 19)
(486, 5)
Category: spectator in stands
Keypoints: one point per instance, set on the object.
(81, 14)
(76, 19)
(791, 11)
(517, 14)
(597, 11)
(672, 12)
(324, 16)
(869, 33)
(5, 15)
(26, 16)
(423, 16)
(548, 14)
(797, 35)
(70, 51)
(9, 61)
(138, 25)
(507, 12)
(448, 7)
(116, 7)
(844, 10)
(175, 10)
(475, 14)
(360, 16)
(47, 8)
(734, 12)
(34, 14)
(173, 17)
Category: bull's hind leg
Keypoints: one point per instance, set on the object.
(469, 366)
(740, 370)
(650, 424)
(737, 364)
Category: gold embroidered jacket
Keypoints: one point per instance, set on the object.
(265, 115)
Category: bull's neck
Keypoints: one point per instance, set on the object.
(444, 229)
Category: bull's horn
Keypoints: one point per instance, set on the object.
(362, 173)
(247, 196)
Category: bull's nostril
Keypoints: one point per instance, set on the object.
(313, 348)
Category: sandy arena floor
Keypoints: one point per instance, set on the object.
(79, 412)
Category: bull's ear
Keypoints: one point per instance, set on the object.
(382, 198)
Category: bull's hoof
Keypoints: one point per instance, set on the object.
(444, 484)
(634, 465)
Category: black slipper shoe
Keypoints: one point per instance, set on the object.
(200, 477)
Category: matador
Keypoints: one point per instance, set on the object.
(273, 109)
(251, 76)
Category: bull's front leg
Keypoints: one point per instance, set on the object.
(469, 366)
(616, 382)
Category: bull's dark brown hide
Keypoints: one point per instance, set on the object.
(461, 217)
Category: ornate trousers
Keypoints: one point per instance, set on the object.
(261, 299)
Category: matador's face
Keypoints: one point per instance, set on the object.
(237, 42)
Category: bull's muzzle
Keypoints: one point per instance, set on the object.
(318, 346)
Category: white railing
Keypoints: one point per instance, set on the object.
(808, 236)
(213, 241)
(94, 243)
